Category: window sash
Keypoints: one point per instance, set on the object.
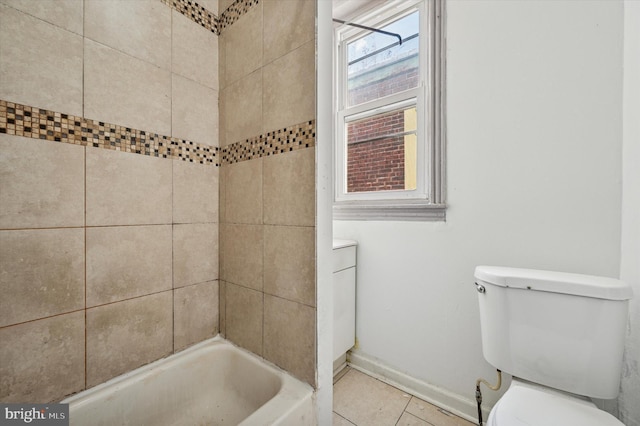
(383, 24)
(428, 201)
(414, 97)
(409, 98)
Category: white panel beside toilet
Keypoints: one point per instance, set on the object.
(344, 296)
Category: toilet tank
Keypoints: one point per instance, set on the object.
(561, 330)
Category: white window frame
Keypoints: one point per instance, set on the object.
(427, 201)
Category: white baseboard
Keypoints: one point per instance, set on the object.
(339, 364)
(449, 401)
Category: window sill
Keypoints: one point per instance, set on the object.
(388, 211)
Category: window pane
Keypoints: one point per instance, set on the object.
(381, 152)
(379, 66)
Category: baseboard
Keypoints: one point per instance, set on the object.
(449, 401)
(339, 364)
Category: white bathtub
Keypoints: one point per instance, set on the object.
(211, 383)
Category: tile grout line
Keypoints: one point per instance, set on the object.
(405, 406)
(343, 417)
(45, 228)
(126, 225)
(86, 346)
(129, 298)
(43, 318)
(262, 224)
(173, 288)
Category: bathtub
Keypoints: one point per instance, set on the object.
(211, 383)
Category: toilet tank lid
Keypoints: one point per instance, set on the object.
(555, 282)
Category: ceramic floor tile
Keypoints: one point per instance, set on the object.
(381, 400)
(340, 421)
(411, 420)
(433, 414)
(379, 405)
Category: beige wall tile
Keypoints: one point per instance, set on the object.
(66, 14)
(42, 361)
(222, 192)
(194, 51)
(289, 188)
(38, 55)
(222, 135)
(289, 263)
(127, 261)
(290, 23)
(210, 5)
(289, 336)
(241, 255)
(125, 335)
(242, 44)
(222, 81)
(127, 189)
(244, 308)
(195, 253)
(223, 308)
(41, 273)
(195, 192)
(194, 115)
(123, 90)
(243, 192)
(224, 5)
(140, 28)
(241, 107)
(289, 88)
(42, 183)
(195, 315)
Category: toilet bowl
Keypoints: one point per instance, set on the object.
(528, 404)
(561, 337)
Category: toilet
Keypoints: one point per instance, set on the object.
(561, 337)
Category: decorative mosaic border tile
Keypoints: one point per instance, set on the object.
(280, 141)
(208, 20)
(37, 123)
(196, 13)
(234, 12)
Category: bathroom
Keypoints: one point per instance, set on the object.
(540, 101)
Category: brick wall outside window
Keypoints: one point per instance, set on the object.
(378, 164)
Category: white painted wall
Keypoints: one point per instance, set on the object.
(630, 253)
(534, 154)
(324, 226)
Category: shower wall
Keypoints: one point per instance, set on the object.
(267, 191)
(109, 200)
(115, 174)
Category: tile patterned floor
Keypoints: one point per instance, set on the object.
(361, 400)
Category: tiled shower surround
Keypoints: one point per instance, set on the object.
(37, 123)
(157, 167)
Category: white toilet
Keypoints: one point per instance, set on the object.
(561, 337)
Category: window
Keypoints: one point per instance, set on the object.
(390, 133)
